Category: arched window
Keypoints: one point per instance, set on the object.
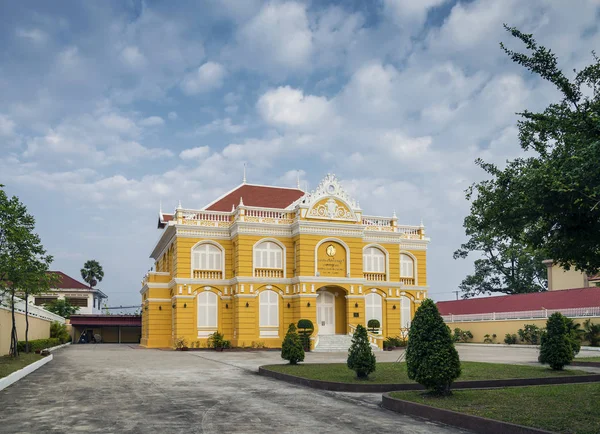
(407, 266)
(207, 257)
(268, 255)
(373, 307)
(207, 309)
(404, 312)
(373, 260)
(269, 309)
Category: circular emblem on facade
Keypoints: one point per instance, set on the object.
(331, 188)
(330, 250)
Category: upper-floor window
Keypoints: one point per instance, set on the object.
(407, 266)
(373, 260)
(268, 255)
(206, 257)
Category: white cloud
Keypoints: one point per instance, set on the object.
(408, 13)
(290, 107)
(35, 35)
(7, 126)
(195, 153)
(133, 57)
(225, 125)
(152, 121)
(207, 77)
(172, 116)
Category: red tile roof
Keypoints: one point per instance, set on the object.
(163, 219)
(106, 320)
(564, 299)
(67, 282)
(257, 195)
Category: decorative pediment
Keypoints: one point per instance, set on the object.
(329, 202)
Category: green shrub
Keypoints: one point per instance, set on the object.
(373, 324)
(39, 344)
(360, 355)
(215, 340)
(462, 335)
(591, 333)
(575, 334)
(59, 331)
(291, 348)
(510, 339)
(394, 342)
(305, 329)
(556, 349)
(431, 358)
(180, 343)
(487, 339)
(530, 334)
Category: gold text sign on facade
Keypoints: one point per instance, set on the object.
(331, 260)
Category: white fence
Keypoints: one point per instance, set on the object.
(525, 314)
(32, 310)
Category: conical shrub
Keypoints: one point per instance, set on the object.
(291, 348)
(556, 349)
(360, 355)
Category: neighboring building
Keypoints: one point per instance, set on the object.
(559, 278)
(89, 300)
(507, 313)
(117, 329)
(259, 258)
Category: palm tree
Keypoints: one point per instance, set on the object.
(591, 332)
(92, 272)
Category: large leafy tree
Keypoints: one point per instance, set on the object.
(92, 272)
(24, 262)
(61, 307)
(548, 202)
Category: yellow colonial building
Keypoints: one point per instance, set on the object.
(260, 257)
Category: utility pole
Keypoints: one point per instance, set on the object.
(456, 292)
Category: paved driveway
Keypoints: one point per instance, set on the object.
(116, 388)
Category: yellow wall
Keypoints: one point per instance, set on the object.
(480, 328)
(38, 329)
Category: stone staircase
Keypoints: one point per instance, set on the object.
(336, 343)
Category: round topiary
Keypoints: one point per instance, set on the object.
(291, 348)
(556, 349)
(431, 358)
(306, 328)
(360, 355)
(373, 324)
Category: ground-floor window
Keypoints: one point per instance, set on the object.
(404, 312)
(207, 309)
(373, 304)
(269, 309)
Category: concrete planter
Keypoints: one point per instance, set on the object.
(17, 375)
(466, 421)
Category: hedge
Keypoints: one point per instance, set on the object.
(39, 344)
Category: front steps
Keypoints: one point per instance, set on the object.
(336, 343)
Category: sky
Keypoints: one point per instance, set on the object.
(109, 108)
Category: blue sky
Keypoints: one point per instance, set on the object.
(108, 108)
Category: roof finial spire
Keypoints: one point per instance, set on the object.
(422, 225)
(298, 179)
(394, 214)
(241, 201)
(244, 180)
(179, 205)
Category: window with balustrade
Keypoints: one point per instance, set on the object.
(407, 269)
(207, 310)
(268, 260)
(207, 262)
(374, 264)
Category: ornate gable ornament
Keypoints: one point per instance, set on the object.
(329, 202)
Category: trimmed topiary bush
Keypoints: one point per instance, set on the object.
(306, 328)
(39, 344)
(291, 348)
(431, 358)
(373, 324)
(556, 349)
(360, 355)
(510, 339)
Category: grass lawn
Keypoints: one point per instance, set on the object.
(587, 359)
(8, 365)
(565, 408)
(396, 372)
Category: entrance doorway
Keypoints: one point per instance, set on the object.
(326, 313)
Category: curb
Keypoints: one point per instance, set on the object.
(466, 421)
(381, 388)
(17, 375)
(520, 346)
(58, 347)
(588, 364)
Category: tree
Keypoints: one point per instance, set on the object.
(36, 281)
(575, 335)
(291, 348)
(591, 332)
(92, 272)
(360, 355)
(431, 358)
(549, 201)
(23, 260)
(556, 349)
(62, 308)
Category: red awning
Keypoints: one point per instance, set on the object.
(106, 320)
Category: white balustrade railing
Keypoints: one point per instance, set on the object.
(407, 280)
(411, 232)
(271, 273)
(526, 314)
(376, 221)
(266, 213)
(207, 274)
(32, 310)
(377, 277)
(206, 216)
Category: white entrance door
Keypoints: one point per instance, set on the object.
(326, 313)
